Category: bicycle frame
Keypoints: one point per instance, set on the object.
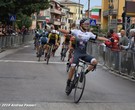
(49, 52)
(79, 77)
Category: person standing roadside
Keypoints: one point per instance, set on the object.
(123, 39)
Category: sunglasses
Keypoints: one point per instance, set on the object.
(86, 23)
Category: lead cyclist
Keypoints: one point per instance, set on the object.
(82, 36)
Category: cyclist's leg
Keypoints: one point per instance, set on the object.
(43, 42)
(70, 53)
(46, 50)
(37, 48)
(72, 70)
(93, 62)
(36, 45)
(57, 46)
(62, 48)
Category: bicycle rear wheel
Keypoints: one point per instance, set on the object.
(48, 55)
(39, 54)
(79, 88)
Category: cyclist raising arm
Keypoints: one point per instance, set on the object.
(82, 36)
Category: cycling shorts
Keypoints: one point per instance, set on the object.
(85, 57)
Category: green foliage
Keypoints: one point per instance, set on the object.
(26, 7)
(24, 20)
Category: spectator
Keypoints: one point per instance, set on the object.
(123, 40)
(23, 31)
(1, 34)
(113, 44)
(130, 54)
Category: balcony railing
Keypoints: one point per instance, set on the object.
(63, 14)
(63, 23)
(113, 12)
(55, 21)
(41, 18)
(110, 12)
(55, 11)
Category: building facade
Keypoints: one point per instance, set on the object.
(64, 19)
(75, 8)
(60, 14)
(112, 14)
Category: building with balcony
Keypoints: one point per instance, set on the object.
(64, 19)
(58, 14)
(40, 19)
(111, 14)
(76, 9)
(55, 13)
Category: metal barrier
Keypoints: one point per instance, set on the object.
(122, 62)
(14, 40)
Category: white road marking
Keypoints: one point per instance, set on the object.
(27, 46)
(20, 61)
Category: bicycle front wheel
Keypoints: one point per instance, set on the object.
(79, 88)
(49, 54)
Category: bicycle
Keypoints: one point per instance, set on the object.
(49, 53)
(64, 51)
(40, 52)
(78, 82)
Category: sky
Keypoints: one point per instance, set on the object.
(92, 3)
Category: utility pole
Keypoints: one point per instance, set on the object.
(79, 9)
(88, 8)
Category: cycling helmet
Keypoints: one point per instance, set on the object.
(53, 31)
(83, 20)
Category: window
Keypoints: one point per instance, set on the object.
(81, 12)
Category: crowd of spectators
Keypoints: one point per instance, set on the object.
(10, 30)
(125, 45)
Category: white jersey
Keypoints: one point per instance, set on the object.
(82, 38)
(83, 35)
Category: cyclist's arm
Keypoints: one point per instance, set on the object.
(56, 40)
(49, 36)
(64, 31)
(70, 44)
(102, 38)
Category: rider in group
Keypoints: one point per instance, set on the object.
(66, 41)
(52, 40)
(82, 36)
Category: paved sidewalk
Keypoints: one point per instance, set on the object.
(5, 52)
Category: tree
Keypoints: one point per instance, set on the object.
(24, 20)
(17, 7)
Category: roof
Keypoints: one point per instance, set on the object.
(69, 2)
